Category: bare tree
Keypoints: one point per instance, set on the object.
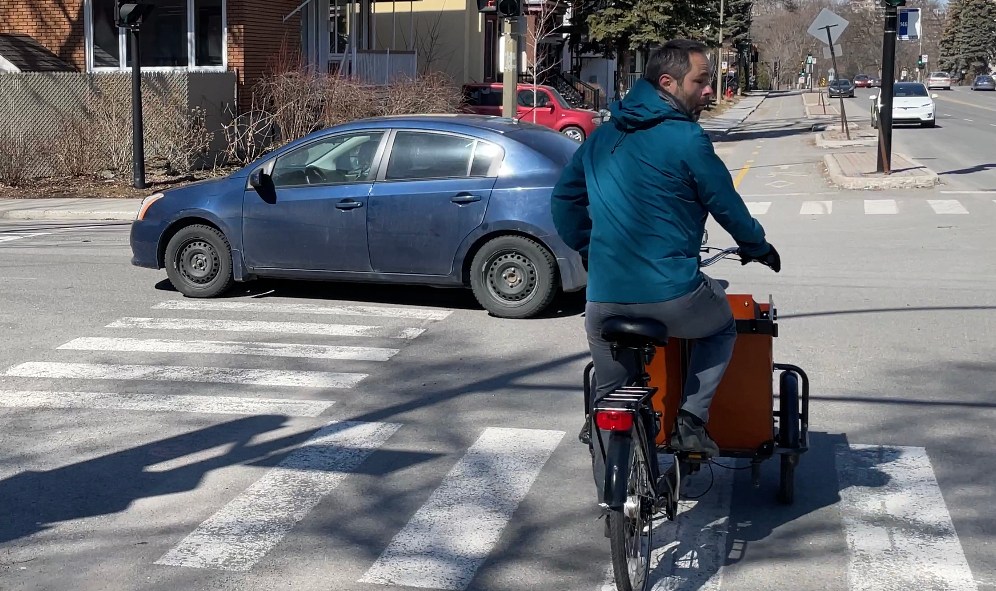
(546, 19)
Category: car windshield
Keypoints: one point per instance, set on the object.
(984, 79)
(909, 90)
(841, 82)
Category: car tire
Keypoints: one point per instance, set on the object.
(574, 132)
(931, 123)
(514, 277)
(199, 262)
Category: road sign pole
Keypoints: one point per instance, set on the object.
(833, 59)
(510, 73)
(888, 80)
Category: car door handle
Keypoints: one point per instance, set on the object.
(464, 198)
(348, 204)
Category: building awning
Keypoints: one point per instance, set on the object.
(21, 53)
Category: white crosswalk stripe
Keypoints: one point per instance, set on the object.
(10, 237)
(230, 348)
(899, 532)
(262, 326)
(758, 207)
(164, 403)
(244, 530)
(383, 312)
(447, 540)
(881, 206)
(816, 208)
(947, 206)
(220, 375)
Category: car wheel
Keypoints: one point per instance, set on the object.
(930, 123)
(514, 277)
(574, 132)
(199, 262)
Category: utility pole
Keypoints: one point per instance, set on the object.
(888, 81)
(510, 72)
(719, 62)
(129, 16)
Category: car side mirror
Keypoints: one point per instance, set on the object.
(258, 179)
(552, 107)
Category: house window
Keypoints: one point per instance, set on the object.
(177, 34)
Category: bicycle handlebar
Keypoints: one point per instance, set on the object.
(722, 254)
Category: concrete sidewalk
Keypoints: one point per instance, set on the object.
(857, 170)
(69, 209)
(735, 115)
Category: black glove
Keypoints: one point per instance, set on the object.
(769, 258)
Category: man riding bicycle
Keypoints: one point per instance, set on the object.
(633, 202)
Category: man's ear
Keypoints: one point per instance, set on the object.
(665, 81)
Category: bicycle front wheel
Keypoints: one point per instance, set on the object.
(631, 529)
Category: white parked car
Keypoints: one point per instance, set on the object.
(911, 103)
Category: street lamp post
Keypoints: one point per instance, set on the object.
(129, 16)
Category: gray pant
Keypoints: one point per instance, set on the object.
(703, 315)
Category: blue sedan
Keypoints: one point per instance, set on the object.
(435, 199)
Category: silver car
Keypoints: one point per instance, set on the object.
(939, 80)
(984, 82)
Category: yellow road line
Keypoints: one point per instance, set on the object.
(742, 174)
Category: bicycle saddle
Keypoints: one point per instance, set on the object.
(634, 332)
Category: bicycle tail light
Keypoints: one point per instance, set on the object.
(614, 420)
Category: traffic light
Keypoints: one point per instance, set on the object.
(129, 15)
(893, 3)
(500, 7)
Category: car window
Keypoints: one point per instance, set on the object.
(525, 98)
(909, 90)
(483, 96)
(345, 158)
(554, 145)
(419, 155)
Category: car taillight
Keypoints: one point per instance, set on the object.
(614, 420)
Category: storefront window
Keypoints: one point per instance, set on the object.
(209, 28)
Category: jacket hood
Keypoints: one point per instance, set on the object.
(644, 106)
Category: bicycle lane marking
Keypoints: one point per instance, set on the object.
(899, 532)
(450, 536)
(690, 551)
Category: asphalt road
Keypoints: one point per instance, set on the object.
(148, 441)
(960, 148)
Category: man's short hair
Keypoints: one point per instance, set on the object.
(673, 59)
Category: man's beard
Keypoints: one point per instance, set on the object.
(692, 106)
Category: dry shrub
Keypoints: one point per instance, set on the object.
(174, 133)
(111, 129)
(18, 155)
(430, 93)
(74, 151)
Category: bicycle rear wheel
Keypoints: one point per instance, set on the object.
(631, 528)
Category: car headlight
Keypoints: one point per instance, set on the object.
(147, 203)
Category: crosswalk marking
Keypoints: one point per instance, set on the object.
(230, 348)
(252, 524)
(336, 310)
(260, 326)
(164, 403)
(899, 532)
(448, 538)
(881, 206)
(758, 207)
(947, 206)
(690, 551)
(816, 207)
(222, 375)
(12, 237)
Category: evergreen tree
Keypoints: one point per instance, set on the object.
(968, 43)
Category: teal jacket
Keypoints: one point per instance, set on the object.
(635, 198)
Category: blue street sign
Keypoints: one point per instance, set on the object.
(909, 24)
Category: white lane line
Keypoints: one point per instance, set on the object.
(691, 550)
(254, 326)
(899, 532)
(221, 375)
(881, 206)
(386, 312)
(969, 120)
(758, 207)
(947, 206)
(164, 403)
(449, 537)
(252, 524)
(230, 348)
(764, 195)
(12, 237)
(978, 192)
(816, 207)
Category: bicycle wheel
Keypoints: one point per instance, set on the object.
(631, 529)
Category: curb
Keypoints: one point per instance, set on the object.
(57, 214)
(926, 180)
(822, 142)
